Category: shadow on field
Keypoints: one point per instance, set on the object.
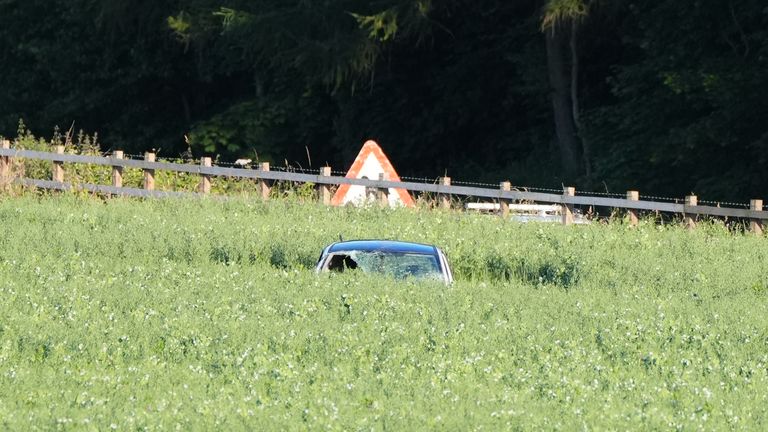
(555, 271)
(562, 272)
(277, 256)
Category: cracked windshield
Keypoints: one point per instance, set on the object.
(399, 265)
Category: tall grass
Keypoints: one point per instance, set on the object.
(199, 314)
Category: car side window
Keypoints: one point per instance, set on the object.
(341, 262)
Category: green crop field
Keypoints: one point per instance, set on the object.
(202, 315)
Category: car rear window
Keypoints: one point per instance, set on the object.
(399, 265)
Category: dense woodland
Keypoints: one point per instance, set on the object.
(666, 96)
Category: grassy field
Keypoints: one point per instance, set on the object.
(200, 315)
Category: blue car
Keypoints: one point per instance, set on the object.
(394, 258)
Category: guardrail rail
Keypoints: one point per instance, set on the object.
(504, 194)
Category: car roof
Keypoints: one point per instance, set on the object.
(383, 245)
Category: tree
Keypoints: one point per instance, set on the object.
(107, 66)
(294, 57)
(687, 109)
(560, 23)
(661, 95)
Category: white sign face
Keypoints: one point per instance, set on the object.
(371, 163)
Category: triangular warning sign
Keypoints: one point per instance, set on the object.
(370, 163)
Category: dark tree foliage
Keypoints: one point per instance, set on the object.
(664, 96)
(103, 66)
(688, 108)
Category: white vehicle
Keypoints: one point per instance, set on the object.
(529, 212)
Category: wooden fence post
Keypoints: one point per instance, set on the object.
(264, 188)
(444, 199)
(633, 218)
(5, 164)
(690, 218)
(205, 179)
(382, 194)
(756, 225)
(117, 170)
(568, 208)
(325, 189)
(57, 172)
(149, 174)
(504, 203)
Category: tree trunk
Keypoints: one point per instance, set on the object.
(574, 43)
(562, 103)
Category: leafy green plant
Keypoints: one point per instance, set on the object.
(148, 314)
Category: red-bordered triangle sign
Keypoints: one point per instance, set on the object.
(370, 163)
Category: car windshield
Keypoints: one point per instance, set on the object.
(397, 264)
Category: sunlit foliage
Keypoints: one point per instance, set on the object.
(202, 314)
